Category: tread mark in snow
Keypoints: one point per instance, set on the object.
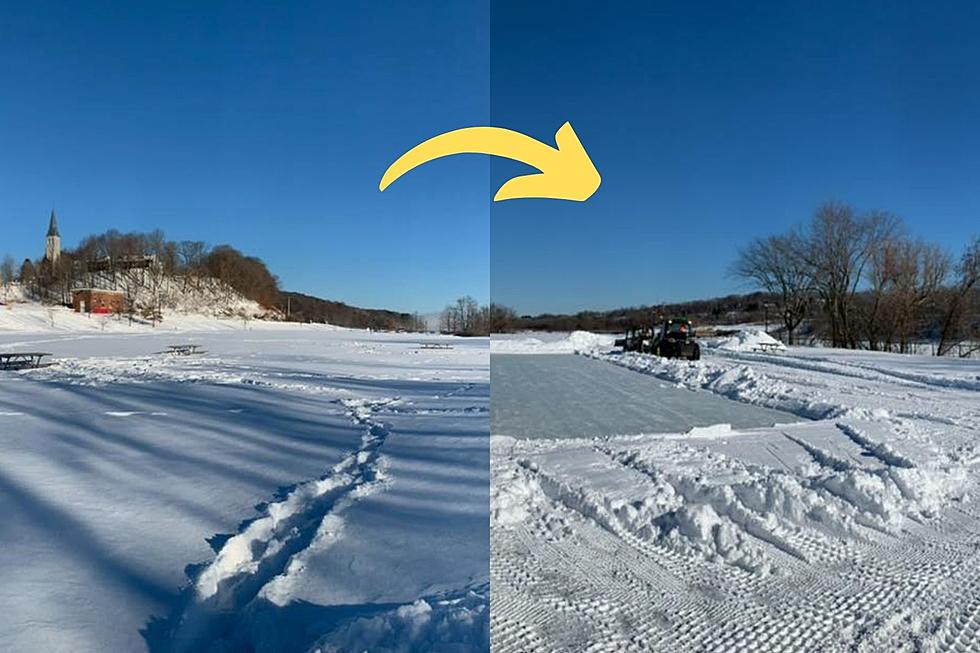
(879, 450)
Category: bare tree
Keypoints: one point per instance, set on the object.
(957, 298)
(465, 317)
(920, 271)
(776, 265)
(876, 308)
(501, 319)
(839, 246)
(8, 273)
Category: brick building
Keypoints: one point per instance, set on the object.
(95, 300)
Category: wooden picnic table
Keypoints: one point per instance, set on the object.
(184, 350)
(21, 360)
(766, 346)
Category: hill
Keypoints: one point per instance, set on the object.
(158, 276)
(307, 308)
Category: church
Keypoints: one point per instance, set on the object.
(52, 247)
(83, 300)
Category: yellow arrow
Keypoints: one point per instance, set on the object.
(566, 173)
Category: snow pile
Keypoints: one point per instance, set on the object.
(575, 343)
(698, 529)
(450, 624)
(513, 495)
(748, 340)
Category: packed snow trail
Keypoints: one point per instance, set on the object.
(853, 529)
(216, 615)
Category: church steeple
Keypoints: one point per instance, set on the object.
(53, 226)
(52, 249)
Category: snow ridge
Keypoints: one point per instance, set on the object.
(880, 450)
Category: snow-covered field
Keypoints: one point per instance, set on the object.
(854, 527)
(295, 488)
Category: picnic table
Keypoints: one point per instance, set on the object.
(184, 350)
(22, 360)
(767, 347)
(434, 345)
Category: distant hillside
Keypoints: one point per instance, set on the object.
(733, 309)
(306, 308)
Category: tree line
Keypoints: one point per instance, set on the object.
(859, 280)
(730, 309)
(306, 308)
(190, 260)
(845, 279)
(466, 317)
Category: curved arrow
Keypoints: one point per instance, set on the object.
(567, 173)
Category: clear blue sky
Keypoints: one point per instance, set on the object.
(713, 122)
(264, 125)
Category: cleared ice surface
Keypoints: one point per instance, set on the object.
(558, 396)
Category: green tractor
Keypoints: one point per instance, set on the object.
(674, 339)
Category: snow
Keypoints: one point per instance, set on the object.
(296, 488)
(747, 340)
(34, 318)
(550, 343)
(851, 526)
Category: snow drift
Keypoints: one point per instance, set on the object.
(574, 343)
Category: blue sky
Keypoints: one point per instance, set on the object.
(263, 125)
(715, 122)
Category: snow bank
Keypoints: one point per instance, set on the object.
(740, 382)
(748, 340)
(574, 343)
(513, 495)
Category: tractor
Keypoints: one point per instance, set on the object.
(674, 339)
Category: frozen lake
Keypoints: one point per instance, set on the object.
(292, 489)
(562, 396)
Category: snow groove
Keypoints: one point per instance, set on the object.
(880, 450)
(251, 564)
